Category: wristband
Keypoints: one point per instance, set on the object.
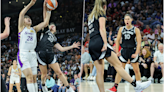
(49, 12)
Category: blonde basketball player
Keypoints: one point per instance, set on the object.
(27, 60)
(15, 74)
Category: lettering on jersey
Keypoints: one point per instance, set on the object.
(29, 33)
(51, 38)
(90, 24)
(127, 32)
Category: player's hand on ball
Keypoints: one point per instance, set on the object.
(7, 21)
(134, 55)
(104, 48)
(76, 45)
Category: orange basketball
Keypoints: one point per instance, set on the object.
(52, 4)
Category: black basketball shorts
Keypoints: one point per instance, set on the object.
(95, 45)
(126, 53)
(45, 57)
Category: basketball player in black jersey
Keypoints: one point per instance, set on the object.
(131, 43)
(46, 55)
(100, 49)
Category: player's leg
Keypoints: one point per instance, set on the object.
(10, 87)
(34, 71)
(136, 70)
(117, 65)
(99, 64)
(82, 69)
(118, 77)
(17, 82)
(29, 79)
(56, 68)
(91, 67)
(86, 71)
(43, 69)
(113, 59)
(18, 87)
(162, 70)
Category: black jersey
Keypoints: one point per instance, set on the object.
(94, 26)
(47, 41)
(128, 38)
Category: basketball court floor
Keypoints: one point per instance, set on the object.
(91, 86)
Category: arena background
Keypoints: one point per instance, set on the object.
(68, 19)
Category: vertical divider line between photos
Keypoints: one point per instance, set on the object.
(163, 40)
(82, 35)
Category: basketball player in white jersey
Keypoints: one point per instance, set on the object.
(15, 74)
(27, 40)
(6, 32)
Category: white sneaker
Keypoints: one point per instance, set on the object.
(86, 76)
(89, 77)
(94, 78)
(70, 90)
(133, 77)
(151, 79)
(141, 86)
(162, 80)
(44, 88)
(144, 78)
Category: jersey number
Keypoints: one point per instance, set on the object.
(30, 38)
(127, 36)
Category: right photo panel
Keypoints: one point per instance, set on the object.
(122, 46)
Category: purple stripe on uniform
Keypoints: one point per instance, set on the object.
(21, 64)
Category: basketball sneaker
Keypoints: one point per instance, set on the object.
(162, 80)
(113, 89)
(151, 79)
(86, 76)
(70, 90)
(94, 78)
(89, 77)
(141, 86)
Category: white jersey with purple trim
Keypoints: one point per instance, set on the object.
(27, 39)
(13, 71)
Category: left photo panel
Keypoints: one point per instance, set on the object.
(41, 45)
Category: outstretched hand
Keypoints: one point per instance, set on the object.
(76, 45)
(7, 21)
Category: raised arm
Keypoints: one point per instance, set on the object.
(62, 49)
(22, 13)
(46, 19)
(6, 32)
